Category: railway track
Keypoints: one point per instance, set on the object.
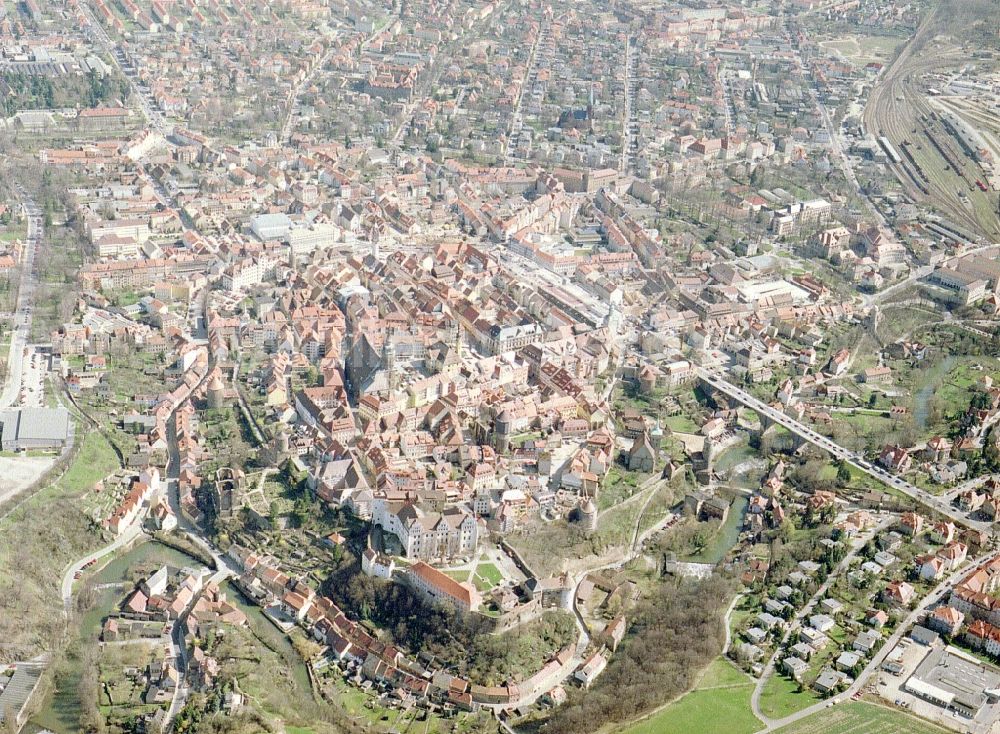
(895, 108)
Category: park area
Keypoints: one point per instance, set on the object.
(719, 702)
(863, 49)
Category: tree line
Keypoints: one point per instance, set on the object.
(675, 633)
(41, 92)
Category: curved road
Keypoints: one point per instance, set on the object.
(796, 621)
(130, 534)
(875, 663)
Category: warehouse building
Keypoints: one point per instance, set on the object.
(34, 428)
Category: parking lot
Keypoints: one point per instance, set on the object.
(17, 473)
(947, 672)
(33, 379)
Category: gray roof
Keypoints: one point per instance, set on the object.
(43, 424)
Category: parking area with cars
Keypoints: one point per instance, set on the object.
(32, 393)
(941, 683)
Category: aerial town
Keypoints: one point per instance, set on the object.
(494, 367)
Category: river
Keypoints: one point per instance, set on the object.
(727, 536)
(60, 712)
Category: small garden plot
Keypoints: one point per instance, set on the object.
(487, 576)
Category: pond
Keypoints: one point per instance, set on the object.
(60, 711)
(727, 536)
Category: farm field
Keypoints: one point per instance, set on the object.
(861, 718)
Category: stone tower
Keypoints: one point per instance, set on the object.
(587, 514)
(216, 392)
(389, 363)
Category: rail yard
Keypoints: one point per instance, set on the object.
(925, 144)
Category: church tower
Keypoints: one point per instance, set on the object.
(389, 362)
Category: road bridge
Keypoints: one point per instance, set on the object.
(773, 415)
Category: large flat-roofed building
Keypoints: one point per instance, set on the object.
(34, 428)
(954, 680)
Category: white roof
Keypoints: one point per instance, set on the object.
(513, 495)
(928, 690)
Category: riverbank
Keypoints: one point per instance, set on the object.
(726, 537)
(61, 709)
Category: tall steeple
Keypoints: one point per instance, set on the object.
(389, 361)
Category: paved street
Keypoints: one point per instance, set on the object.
(796, 622)
(69, 575)
(937, 595)
(21, 327)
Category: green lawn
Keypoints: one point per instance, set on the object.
(681, 423)
(780, 697)
(489, 572)
(485, 577)
(719, 703)
(722, 674)
(94, 462)
(861, 718)
(618, 485)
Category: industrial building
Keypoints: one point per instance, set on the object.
(34, 428)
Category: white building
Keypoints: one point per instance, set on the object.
(427, 535)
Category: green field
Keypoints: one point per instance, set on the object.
(862, 49)
(722, 674)
(720, 702)
(781, 698)
(95, 461)
(681, 423)
(489, 572)
(861, 718)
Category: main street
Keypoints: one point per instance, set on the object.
(21, 317)
(530, 74)
(630, 111)
(841, 155)
(296, 91)
(855, 459)
(95, 31)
